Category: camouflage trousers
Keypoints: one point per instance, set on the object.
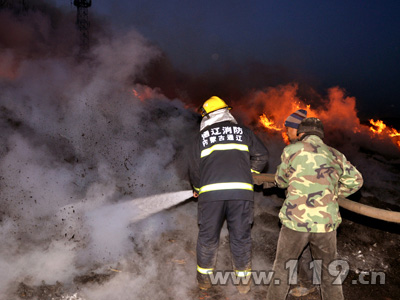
(290, 245)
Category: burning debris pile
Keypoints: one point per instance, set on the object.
(338, 113)
(81, 140)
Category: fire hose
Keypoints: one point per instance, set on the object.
(268, 181)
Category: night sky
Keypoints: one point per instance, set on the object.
(351, 44)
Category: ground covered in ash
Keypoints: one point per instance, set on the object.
(164, 267)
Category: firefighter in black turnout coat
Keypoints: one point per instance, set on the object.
(221, 162)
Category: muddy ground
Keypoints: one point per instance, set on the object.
(366, 244)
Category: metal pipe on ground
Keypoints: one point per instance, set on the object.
(268, 180)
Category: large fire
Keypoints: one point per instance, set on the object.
(379, 128)
(339, 112)
(273, 106)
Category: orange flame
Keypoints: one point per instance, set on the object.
(394, 133)
(380, 128)
(339, 111)
(285, 138)
(137, 95)
(269, 124)
(143, 92)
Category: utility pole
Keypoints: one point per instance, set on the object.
(13, 4)
(5, 3)
(82, 21)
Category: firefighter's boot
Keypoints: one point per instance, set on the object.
(243, 288)
(203, 281)
(244, 284)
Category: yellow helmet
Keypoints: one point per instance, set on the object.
(213, 104)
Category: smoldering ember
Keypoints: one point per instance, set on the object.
(95, 199)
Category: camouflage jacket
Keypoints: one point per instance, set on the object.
(314, 175)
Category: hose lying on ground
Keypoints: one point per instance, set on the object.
(386, 215)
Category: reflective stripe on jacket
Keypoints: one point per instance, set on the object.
(222, 159)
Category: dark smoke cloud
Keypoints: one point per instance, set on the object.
(231, 80)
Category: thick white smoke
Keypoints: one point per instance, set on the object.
(78, 143)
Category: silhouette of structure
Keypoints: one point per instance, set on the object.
(13, 4)
(82, 21)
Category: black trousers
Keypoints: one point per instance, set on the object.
(239, 217)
